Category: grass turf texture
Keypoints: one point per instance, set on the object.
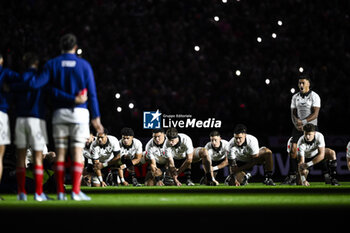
(254, 195)
(253, 205)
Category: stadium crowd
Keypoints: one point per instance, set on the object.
(144, 50)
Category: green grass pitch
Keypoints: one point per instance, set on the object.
(204, 205)
(252, 195)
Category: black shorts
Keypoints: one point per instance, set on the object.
(178, 162)
(215, 163)
(322, 165)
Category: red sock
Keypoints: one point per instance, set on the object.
(77, 170)
(38, 176)
(21, 179)
(59, 173)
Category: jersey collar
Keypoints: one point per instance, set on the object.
(217, 149)
(128, 147)
(303, 95)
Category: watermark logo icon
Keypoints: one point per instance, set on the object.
(151, 120)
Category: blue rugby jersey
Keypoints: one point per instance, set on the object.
(70, 74)
(31, 103)
(6, 75)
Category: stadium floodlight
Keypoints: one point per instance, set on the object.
(216, 18)
(274, 35)
(238, 72)
(301, 69)
(197, 48)
(131, 105)
(259, 39)
(267, 81)
(292, 90)
(79, 51)
(117, 95)
(280, 23)
(119, 109)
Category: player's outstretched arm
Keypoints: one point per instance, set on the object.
(173, 171)
(96, 123)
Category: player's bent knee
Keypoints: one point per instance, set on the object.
(293, 154)
(268, 151)
(203, 153)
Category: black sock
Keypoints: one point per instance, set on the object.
(209, 176)
(187, 173)
(268, 174)
(293, 164)
(332, 164)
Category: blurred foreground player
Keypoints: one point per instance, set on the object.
(244, 153)
(70, 74)
(30, 130)
(5, 138)
(312, 151)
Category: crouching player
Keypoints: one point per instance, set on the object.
(244, 153)
(218, 150)
(104, 152)
(312, 151)
(180, 147)
(130, 154)
(159, 162)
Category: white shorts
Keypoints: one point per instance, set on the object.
(78, 134)
(71, 115)
(5, 135)
(71, 124)
(31, 131)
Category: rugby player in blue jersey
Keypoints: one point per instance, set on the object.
(5, 137)
(30, 127)
(70, 123)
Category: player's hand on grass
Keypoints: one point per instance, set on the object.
(177, 182)
(305, 183)
(160, 183)
(103, 184)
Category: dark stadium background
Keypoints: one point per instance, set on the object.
(144, 50)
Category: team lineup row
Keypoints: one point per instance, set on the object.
(170, 153)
